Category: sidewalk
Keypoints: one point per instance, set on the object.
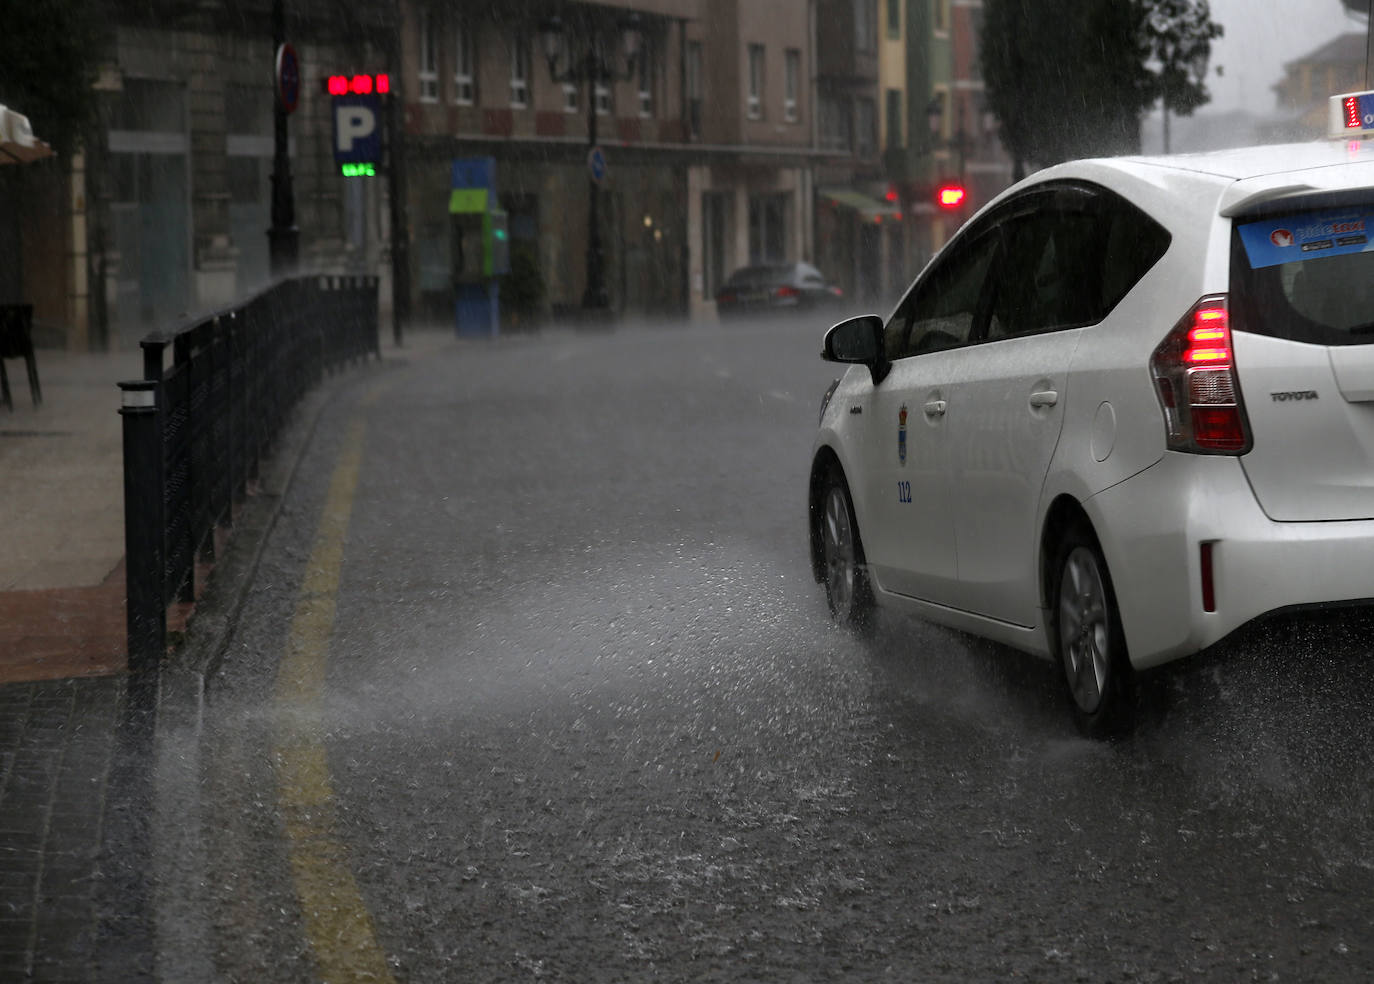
(62, 642)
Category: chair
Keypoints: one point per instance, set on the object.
(16, 342)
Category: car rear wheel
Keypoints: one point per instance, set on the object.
(1089, 640)
(846, 583)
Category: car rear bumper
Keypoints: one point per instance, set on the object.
(1153, 526)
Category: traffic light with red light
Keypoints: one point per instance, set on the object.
(950, 196)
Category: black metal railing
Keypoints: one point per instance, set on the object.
(198, 424)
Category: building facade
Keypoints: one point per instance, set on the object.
(855, 219)
(733, 132)
(752, 116)
(164, 211)
(937, 131)
(1308, 82)
(705, 129)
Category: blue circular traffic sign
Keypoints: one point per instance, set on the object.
(596, 164)
(288, 77)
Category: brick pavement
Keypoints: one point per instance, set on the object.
(61, 668)
(56, 744)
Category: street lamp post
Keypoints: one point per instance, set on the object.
(597, 65)
(282, 237)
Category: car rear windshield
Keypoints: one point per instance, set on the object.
(1306, 276)
(756, 276)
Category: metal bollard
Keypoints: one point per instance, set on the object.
(146, 617)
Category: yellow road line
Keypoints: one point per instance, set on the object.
(337, 923)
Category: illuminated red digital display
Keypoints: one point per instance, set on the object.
(358, 85)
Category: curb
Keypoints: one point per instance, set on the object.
(184, 676)
(180, 912)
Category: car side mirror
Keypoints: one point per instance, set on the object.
(858, 341)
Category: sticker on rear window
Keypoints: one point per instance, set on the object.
(1307, 236)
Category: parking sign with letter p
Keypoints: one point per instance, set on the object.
(357, 129)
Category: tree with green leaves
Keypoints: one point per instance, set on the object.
(1180, 35)
(1072, 78)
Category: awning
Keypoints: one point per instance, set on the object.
(18, 145)
(867, 207)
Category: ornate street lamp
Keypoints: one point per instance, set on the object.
(283, 238)
(584, 55)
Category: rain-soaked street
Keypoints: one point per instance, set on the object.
(533, 683)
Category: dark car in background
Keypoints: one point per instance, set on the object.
(776, 287)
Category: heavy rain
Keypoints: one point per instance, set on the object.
(412, 557)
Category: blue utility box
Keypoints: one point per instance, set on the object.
(480, 246)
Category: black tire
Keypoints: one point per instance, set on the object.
(1088, 639)
(847, 590)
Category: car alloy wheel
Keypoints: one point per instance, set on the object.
(1083, 629)
(1089, 638)
(846, 585)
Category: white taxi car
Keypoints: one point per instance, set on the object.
(1126, 410)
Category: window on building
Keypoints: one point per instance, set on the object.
(603, 100)
(894, 118)
(571, 97)
(894, 19)
(940, 110)
(429, 57)
(647, 73)
(865, 30)
(865, 127)
(694, 88)
(790, 83)
(247, 110)
(835, 123)
(940, 16)
(519, 70)
(768, 228)
(976, 35)
(464, 64)
(755, 106)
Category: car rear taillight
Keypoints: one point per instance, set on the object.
(1194, 369)
(785, 291)
(725, 297)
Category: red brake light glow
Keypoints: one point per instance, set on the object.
(1196, 383)
(1209, 587)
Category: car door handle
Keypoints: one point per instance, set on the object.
(935, 408)
(1044, 398)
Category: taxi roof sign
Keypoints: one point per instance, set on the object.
(1350, 116)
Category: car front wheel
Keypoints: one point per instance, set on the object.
(1089, 640)
(846, 582)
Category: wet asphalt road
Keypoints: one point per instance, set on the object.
(582, 718)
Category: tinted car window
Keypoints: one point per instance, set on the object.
(1048, 264)
(1058, 256)
(1070, 260)
(1294, 282)
(1133, 244)
(753, 276)
(941, 311)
